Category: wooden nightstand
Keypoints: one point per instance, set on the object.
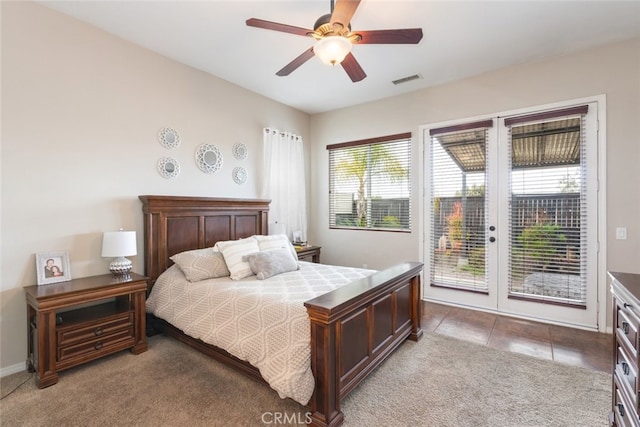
(309, 251)
(65, 332)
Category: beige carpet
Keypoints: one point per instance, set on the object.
(439, 381)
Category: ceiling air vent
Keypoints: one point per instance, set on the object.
(407, 79)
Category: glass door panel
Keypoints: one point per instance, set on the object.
(459, 211)
(546, 212)
(549, 184)
(459, 194)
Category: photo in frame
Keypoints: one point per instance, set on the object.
(52, 267)
(297, 237)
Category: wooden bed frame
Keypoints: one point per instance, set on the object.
(353, 329)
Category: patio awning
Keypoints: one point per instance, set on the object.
(550, 143)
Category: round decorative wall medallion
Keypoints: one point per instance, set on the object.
(169, 138)
(168, 167)
(240, 151)
(239, 175)
(208, 158)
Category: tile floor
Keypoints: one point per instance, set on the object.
(576, 347)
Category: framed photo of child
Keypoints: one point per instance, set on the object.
(52, 267)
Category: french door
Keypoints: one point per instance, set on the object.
(511, 214)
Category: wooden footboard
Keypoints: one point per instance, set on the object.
(354, 328)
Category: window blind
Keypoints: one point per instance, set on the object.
(547, 210)
(459, 199)
(370, 184)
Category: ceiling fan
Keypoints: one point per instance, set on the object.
(334, 38)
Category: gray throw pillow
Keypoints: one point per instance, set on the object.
(268, 263)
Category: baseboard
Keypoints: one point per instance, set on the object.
(14, 369)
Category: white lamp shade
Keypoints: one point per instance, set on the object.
(277, 228)
(332, 50)
(119, 243)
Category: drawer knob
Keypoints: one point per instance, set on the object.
(98, 345)
(98, 331)
(625, 368)
(625, 327)
(621, 409)
(626, 305)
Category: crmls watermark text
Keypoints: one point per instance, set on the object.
(279, 418)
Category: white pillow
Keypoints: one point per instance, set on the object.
(201, 264)
(276, 241)
(233, 251)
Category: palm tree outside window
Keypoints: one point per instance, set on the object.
(369, 184)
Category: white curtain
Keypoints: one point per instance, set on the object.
(284, 183)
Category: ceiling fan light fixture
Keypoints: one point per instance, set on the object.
(332, 49)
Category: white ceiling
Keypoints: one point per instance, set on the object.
(461, 39)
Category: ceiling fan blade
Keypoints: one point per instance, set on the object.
(268, 25)
(293, 65)
(353, 68)
(343, 11)
(402, 36)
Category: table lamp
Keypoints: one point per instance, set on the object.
(119, 244)
(277, 228)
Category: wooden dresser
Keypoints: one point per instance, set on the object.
(83, 319)
(625, 290)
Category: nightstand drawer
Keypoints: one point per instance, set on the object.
(97, 346)
(88, 331)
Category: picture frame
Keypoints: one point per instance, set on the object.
(297, 236)
(52, 267)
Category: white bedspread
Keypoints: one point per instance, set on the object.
(263, 322)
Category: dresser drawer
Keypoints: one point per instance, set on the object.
(627, 374)
(624, 413)
(627, 328)
(69, 335)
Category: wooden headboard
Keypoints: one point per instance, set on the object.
(173, 224)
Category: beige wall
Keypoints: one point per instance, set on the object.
(81, 111)
(613, 71)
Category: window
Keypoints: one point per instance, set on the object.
(370, 184)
